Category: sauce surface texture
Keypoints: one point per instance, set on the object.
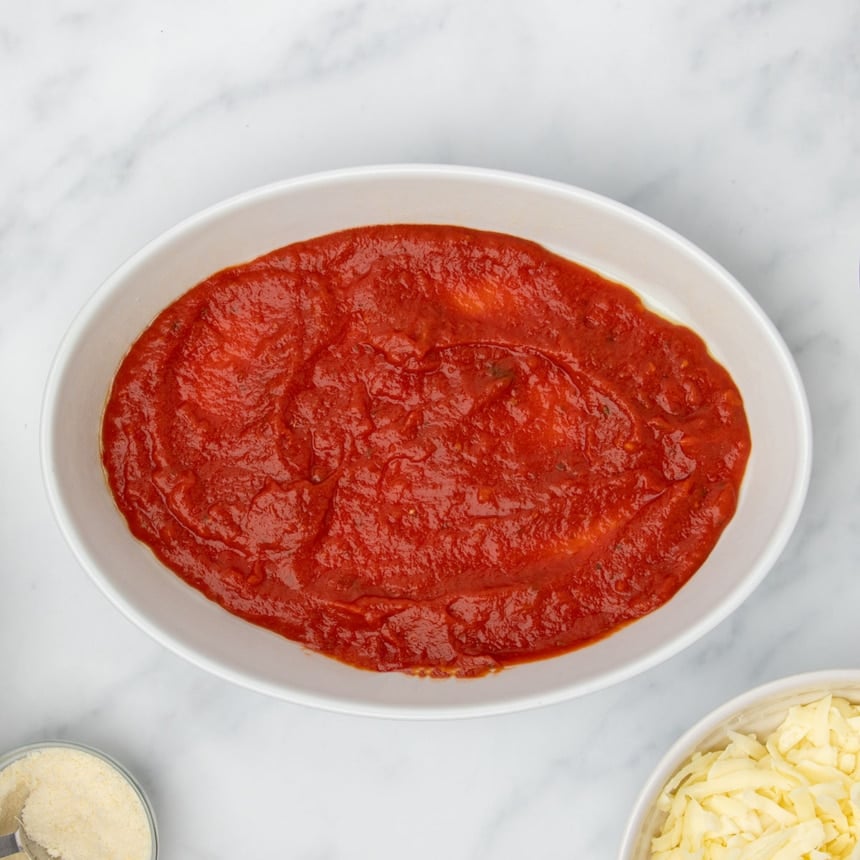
(425, 448)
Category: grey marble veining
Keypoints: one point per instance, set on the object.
(736, 123)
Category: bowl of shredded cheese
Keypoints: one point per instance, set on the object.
(76, 802)
(773, 774)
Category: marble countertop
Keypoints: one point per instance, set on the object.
(736, 122)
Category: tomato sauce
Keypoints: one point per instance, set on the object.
(425, 448)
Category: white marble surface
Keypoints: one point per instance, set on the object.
(737, 123)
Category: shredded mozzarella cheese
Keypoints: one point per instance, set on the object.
(794, 797)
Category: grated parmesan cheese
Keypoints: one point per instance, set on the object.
(75, 805)
(794, 797)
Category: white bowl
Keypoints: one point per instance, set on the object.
(670, 274)
(758, 711)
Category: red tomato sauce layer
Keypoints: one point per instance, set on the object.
(425, 448)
